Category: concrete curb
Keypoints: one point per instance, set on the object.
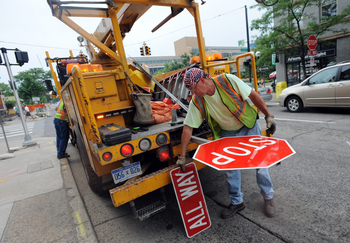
(84, 229)
(6, 156)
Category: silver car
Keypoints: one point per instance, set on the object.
(329, 87)
(264, 92)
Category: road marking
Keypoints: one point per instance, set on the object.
(81, 226)
(283, 119)
(348, 143)
(13, 130)
(3, 180)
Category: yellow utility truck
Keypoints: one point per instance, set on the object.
(108, 102)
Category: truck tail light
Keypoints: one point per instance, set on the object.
(100, 116)
(164, 154)
(126, 150)
(145, 144)
(161, 139)
(107, 156)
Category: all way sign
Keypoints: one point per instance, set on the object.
(189, 195)
(247, 152)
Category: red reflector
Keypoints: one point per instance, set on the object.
(100, 116)
(127, 150)
(107, 156)
(163, 154)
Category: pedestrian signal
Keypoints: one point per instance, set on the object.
(142, 51)
(147, 51)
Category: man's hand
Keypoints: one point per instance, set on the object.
(270, 124)
(181, 161)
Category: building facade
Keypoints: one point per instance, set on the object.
(332, 48)
(187, 45)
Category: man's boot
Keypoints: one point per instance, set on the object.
(231, 210)
(269, 208)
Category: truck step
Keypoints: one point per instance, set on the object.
(150, 210)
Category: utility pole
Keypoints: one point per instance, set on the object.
(27, 138)
(248, 41)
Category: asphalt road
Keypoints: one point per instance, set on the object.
(312, 191)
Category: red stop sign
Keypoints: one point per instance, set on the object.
(312, 42)
(248, 152)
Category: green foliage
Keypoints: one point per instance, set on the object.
(43, 99)
(294, 26)
(6, 89)
(55, 100)
(175, 65)
(30, 83)
(10, 103)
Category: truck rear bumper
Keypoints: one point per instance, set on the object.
(141, 186)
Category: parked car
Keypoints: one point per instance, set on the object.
(329, 87)
(264, 92)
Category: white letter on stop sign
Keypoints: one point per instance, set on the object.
(220, 156)
(228, 159)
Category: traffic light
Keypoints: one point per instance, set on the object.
(21, 57)
(147, 51)
(246, 63)
(142, 51)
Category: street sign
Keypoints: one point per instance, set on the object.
(189, 195)
(265, 68)
(311, 53)
(273, 59)
(248, 152)
(312, 61)
(312, 42)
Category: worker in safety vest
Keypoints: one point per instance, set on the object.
(222, 102)
(62, 130)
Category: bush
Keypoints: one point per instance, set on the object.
(10, 104)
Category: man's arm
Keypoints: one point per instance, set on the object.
(185, 139)
(259, 102)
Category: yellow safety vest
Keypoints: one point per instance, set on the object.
(61, 114)
(240, 108)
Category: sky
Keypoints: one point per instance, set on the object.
(30, 26)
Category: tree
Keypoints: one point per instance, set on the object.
(5, 89)
(30, 83)
(295, 25)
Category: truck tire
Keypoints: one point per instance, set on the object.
(72, 137)
(94, 181)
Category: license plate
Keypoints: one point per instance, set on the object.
(126, 172)
(263, 92)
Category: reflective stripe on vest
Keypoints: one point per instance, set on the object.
(238, 106)
(61, 114)
(222, 81)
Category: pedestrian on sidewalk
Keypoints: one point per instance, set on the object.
(222, 102)
(27, 111)
(15, 108)
(62, 130)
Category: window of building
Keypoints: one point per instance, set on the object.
(294, 23)
(329, 8)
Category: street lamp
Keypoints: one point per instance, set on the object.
(257, 55)
(21, 58)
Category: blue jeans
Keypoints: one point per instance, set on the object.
(62, 135)
(234, 176)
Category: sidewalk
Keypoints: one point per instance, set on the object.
(39, 199)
